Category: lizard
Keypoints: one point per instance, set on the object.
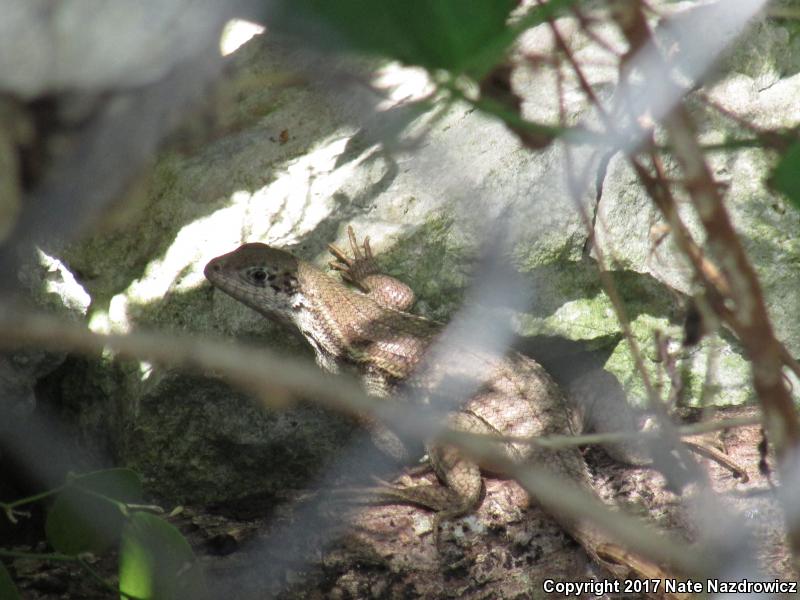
(363, 321)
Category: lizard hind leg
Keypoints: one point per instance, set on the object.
(459, 493)
(363, 271)
(445, 501)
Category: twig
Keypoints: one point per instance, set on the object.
(765, 137)
(255, 369)
(711, 453)
(558, 442)
(586, 27)
(575, 191)
(744, 300)
(263, 371)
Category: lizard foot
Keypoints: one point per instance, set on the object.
(445, 504)
(433, 497)
(355, 269)
(362, 271)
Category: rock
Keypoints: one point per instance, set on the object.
(52, 287)
(120, 46)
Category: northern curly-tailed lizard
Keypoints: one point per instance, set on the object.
(369, 328)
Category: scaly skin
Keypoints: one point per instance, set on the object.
(369, 329)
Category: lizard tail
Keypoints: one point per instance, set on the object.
(625, 565)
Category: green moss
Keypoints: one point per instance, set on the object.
(713, 374)
(580, 319)
(431, 261)
(622, 365)
(571, 303)
(107, 263)
(549, 248)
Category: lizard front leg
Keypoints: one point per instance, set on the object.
(363, 271)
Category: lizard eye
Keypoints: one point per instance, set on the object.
(259, 275)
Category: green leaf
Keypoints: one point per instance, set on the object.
(436, 34)
(85, 517)
(156, 562)
(8, 591)
(786, 176)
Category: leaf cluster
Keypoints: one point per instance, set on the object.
(95, 512)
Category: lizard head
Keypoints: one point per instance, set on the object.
(263, 278)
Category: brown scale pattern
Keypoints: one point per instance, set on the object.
(368, 329)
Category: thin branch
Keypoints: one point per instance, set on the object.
(582, 80)
(265, 372)
(765, 137)
(744, 301)
(745, 297)
(586, 28)
(558, 442)
(575, 189)
(254, 369)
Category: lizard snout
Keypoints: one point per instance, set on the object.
(212, 268)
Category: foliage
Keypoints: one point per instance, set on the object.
(155, 561)
(786, 176)
(458, 36)
(88, 514)
(8, 591)
(95, 511)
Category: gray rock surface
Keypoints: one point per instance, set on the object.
(53, 288)
(121, 45)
